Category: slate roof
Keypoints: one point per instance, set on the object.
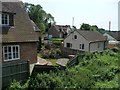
(22, 31)
(115, 34)
(92, 36)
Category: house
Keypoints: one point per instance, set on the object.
(35, 27)
(85, 41)
(59, 31)
(19, 39)
(113, 38)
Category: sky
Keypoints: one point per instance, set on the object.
(93, 12)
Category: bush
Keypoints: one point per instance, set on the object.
(52, 53)
(94, 71)
(14, 86)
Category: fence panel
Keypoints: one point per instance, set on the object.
(14, 70)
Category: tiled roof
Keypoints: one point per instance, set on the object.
(63, 28)
(35, 27)
(5, 8)
(92, 36)
(115, 34)
(22, 31)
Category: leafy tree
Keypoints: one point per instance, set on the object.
(36, 13)
(88, 27)
(85, 27)
(94, 28)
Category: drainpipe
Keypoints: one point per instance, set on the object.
(89, 46)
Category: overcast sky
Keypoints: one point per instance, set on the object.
(93, 12)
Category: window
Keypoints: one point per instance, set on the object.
(75, 36)
(68, 45)
(11, 52)
(5, 19)
(99, 44)
(81, 46)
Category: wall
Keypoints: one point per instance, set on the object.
(76, 42)
(28, 51)
(67, 51)
(97, 46)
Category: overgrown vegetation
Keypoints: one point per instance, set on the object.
(57, 41)
(98, 70)
(50, 52)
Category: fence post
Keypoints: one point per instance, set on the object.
(28, 64)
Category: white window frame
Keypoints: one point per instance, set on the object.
(4, 19)
(11, 52)
(81, 46)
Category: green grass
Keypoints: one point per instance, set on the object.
(39, 55)
(53, 61)
(57, 40)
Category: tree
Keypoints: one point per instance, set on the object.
(41, 18)
(85, 27)
(94, 28)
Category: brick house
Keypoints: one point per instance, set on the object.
(59, 31)
(19, 39)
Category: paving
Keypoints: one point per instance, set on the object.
(62, 61)
(42, 61)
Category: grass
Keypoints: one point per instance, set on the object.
(57, 40)
(53, 61)
(39, 55)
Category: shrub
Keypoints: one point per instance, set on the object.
(15, 85)
(52, 53)
(45, 53)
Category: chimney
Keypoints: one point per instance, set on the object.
(73, 21)
(109, 25)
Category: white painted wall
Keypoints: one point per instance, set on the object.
(81, 40)
(97, 46)
(76, 42)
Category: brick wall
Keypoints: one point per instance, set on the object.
(28, 51)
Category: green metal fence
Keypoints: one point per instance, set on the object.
(17, 70)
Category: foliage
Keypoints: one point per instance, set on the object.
(98, 70)
(51, 53)
(15, 85)
(89, 27)
(41, 18)
(57, 41)
(85, 27)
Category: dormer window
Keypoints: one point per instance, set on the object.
(5, 19)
